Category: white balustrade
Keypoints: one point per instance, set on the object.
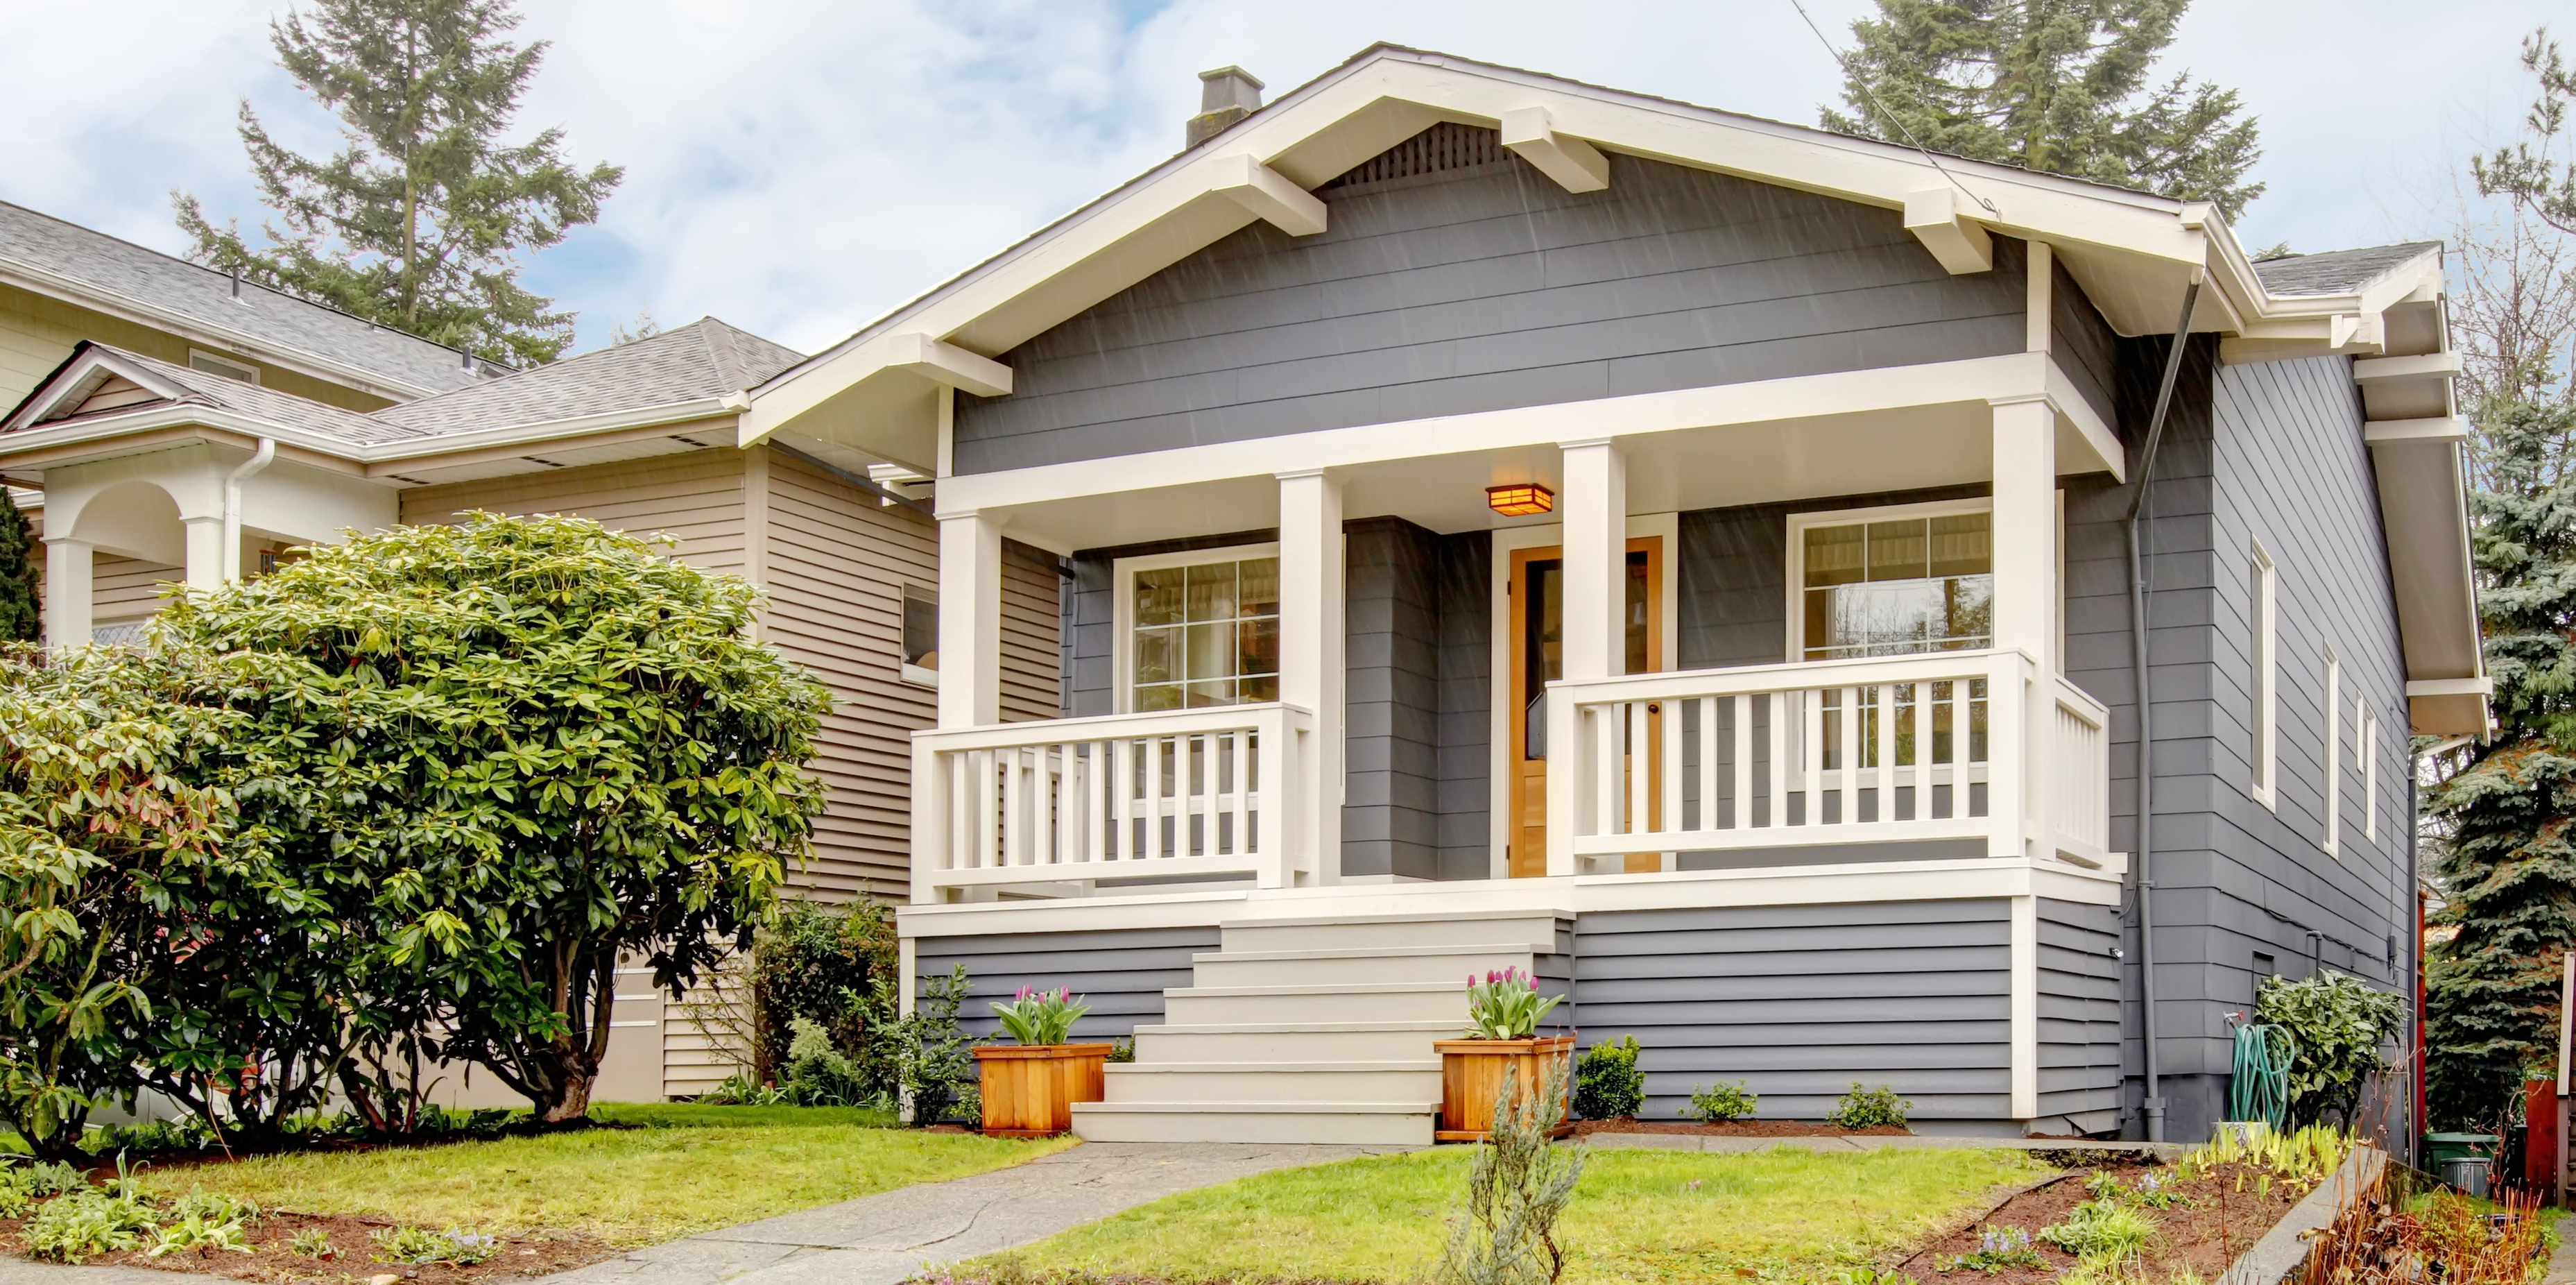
(1180, 793)
(1872, 750)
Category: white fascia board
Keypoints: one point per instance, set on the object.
(104, 430)
(65, 391)
(1577, 166)
(2481, 686)
(2444, 365)
(54, 285)
(1973, 380)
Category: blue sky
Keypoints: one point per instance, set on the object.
(798, 167)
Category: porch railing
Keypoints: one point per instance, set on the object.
(1880, 750)
(1176, 794)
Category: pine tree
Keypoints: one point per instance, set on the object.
(2054, 85)
(2508, 867)
(19, 563)
(418, 221)
(2535, 171)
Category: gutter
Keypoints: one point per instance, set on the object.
(2152, 1102)
(109, 427)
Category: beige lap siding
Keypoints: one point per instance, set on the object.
(127, 589)
(838, 562)
(696, 498)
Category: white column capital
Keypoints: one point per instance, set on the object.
(1586, 443)
(1329, 474)
(2023, 399)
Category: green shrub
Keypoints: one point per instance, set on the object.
(81, 1225)
(819, 962)
(818, 1075)
(1869, 1108)
(1607, 1083)
(313, 1242)
(934, 1057)
(2337, 1023)
(419, 1245)
(1721, 1102)
(741, 1090)
(49, 1178)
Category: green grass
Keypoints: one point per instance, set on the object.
(1634, 1218)
(684, 1169)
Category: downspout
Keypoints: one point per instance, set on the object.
(2152, 1103)
(259, 459)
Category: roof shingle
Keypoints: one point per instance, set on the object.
(703, 359)
(2335, 271)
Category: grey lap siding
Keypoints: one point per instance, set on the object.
(1485, 288)
(1799, 1001)
(2079, 1013)
(1417, 702)
(1466, 705)
(1122, 973)
(2084, 344)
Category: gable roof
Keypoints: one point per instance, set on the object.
(67, 396)
(702, 360)
(2133, 252)
(80, 265)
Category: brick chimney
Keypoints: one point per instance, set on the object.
(1226, 95)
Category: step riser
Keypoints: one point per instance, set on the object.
(1289, 1046)
(1275, 1086)
(1343, 972)
(1104, 1123)
(1539, 932)
(1395, 1006)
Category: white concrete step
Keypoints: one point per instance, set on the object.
(1357, 964)
(1398, 1080)
(1534, 929)
(1402, 1124)
(1290, 1041)
(1354, 1002)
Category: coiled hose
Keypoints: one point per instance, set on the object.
(2258, 1084)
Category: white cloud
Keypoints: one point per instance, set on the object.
(798, 167)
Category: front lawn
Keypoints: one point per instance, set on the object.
(1659, 1216)
(665, 1172)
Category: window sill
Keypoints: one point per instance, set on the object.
(919, 677)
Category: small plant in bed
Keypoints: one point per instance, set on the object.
(419, 1246)
(81, 1225)
(1607, 1083)
(1719, 1103)
(1869, 1108)
(1038, 1018)
(1505, 1005)
(1998, 1248)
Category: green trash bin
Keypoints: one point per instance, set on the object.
(2439, 1147)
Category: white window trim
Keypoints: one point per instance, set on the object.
(2267, 681)
(2366, 755)
(2333, 759)
(905, 670)
(1122, 579)
(1797, 542)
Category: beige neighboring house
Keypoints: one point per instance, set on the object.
(160, 448)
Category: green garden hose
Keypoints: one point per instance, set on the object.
(2258, 1085)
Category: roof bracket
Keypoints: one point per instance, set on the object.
(1269, 195)
(1577, 166)
(942, 362)
(1960, 243)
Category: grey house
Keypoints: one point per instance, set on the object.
(1507, 521)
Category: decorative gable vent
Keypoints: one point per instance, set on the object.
(1444, 146)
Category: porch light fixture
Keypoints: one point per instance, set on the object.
(1520, 499)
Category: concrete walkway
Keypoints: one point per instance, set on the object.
(885, 1238)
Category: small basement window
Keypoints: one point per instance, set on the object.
(920, 636)
(213, 364)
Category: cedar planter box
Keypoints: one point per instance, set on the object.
(1030, 1089)
(1471, 1074)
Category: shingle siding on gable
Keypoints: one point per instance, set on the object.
(1486, 288)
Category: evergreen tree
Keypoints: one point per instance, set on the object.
(417, 223)
(2535, 171)
(19, 564)
(2054, 85)
(2508, 867)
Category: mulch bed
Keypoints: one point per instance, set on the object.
(270, 1261)
(1737, 1128)
(2214, 1225)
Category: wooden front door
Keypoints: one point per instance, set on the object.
(1537, 654)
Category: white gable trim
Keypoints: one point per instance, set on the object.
(62, 395)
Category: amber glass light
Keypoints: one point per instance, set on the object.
(1520, 499)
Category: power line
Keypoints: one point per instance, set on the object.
(1862, 84)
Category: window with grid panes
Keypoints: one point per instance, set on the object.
(1205, 634)
(1894, 587)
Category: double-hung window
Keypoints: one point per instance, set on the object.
(1200, 628)
(1901, 581)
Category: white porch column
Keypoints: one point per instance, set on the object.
(67, 592)
(206, 560)
(1311, 606)
(970, 619)
(2025, 562)
(1595, 509)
